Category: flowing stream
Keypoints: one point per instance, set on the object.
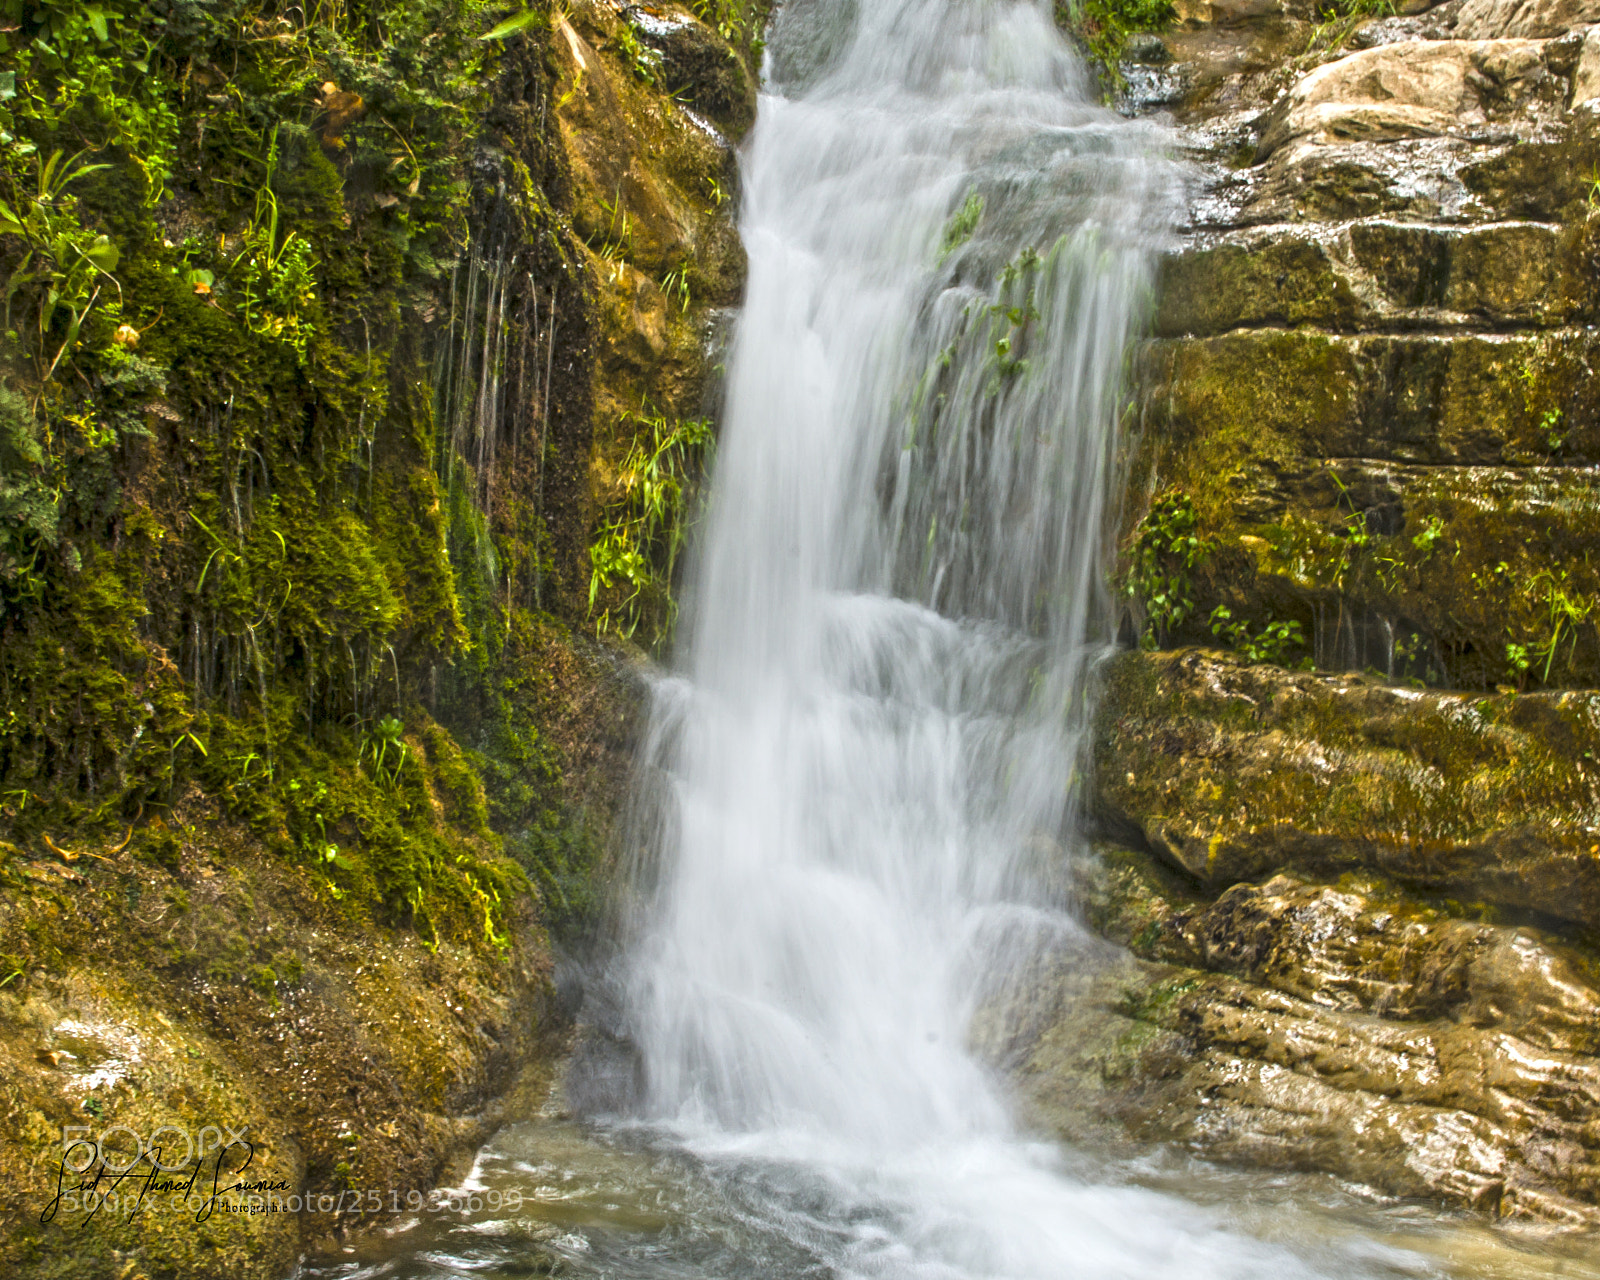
(863, 776)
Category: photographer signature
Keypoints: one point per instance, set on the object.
(107, 1184)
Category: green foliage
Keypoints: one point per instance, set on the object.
(1336, 21)
(1429, 537)
(675, 285)
(520, 21)
(224, 548)
(739, 22)
(1103, 26)
(1557, 612)
(1273, 643)
(89, 76)
(963, 222)
(638, 57)
(248, 538)
(1551, 426)
(275, 277)
(645, 526)
(1165, 552)
(29, 511)
(383, 752)
(64, 267)
(371, 835)
(1011, 318)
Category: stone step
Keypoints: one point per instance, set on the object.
(1536, 165)
(1381, 274)
(1459, 399)
(1233, 771)
(1457, 575)
(1440, 493)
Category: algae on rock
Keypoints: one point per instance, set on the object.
(300, 723)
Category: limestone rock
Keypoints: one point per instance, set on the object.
(1498, 19)
(1347, 1029)
(1586, 76)
(1375, 273)
(1231, 771)
(1407, 89)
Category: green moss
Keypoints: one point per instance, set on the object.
(1434, 560)
(259, 522)
(1102, 27)
(1155, 1004)
(1233, 771)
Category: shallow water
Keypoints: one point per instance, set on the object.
(638, 1203)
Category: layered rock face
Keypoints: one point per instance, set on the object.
(1355, 861)
(1372, 366)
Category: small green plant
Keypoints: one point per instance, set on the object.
(1273, 643)
(1536, 397)
(675, 284)
(616, 246)
(963, 222)
(640, 58)
(1012, 317)
(1167, 548)
(1335, 24)
(384, 751)
(519, 21)
(276, 278)
(69, 265)
(1428, 538)
(645, 526)
(1551, 425)
(734, 20)
(1103, 27)
(1564, 611)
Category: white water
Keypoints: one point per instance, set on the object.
(867, 764)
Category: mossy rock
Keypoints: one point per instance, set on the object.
(1434, 490)
(1345, 1028)
(1232, 771)
(212, 985)
(1379, 273)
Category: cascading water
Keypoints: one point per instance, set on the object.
(863, 777)
(948, 253)
(868, 763)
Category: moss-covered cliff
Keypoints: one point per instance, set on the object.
(354, 377)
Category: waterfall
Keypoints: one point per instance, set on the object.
(864, 770)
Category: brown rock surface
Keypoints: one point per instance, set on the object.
(1409, 89)
(1231, 771)
(1348, 1030)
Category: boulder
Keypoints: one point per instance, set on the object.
(1413, 88)
(1231, 772)
(1499, 19)
(1347, 1029)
